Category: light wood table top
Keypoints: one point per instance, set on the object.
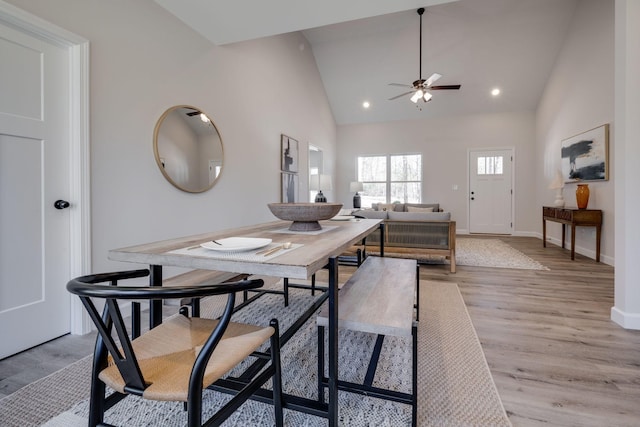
(298, 263)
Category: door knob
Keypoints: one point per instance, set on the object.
(61, 204)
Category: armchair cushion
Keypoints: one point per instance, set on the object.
(417, 209)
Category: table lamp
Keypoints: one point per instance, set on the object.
(317, 183)
(557, 184)
(356, 186)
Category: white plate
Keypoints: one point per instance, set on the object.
(236, 244)
(342, 217)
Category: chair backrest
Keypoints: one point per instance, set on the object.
(122, 352)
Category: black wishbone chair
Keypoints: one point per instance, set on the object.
(177, 359)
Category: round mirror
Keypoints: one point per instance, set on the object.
(188, 148)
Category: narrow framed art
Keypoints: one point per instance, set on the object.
(289, 187)
(585, 157)
(289, 154)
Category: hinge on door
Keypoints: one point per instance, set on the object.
(511, 225)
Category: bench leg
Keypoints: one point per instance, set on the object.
(135, 319)
(417, 292)
(452, 259)
(286, 291)
(195, 307)
(320, 363)
(414, 375)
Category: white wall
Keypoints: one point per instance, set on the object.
(580, 96)
(626, 311)
(143, 61)
(444, 144)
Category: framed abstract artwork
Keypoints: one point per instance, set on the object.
(585, 157)
(289, 187)
(289, 154)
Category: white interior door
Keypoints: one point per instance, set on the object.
(490, 191)
(34, 173)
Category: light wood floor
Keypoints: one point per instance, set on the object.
(556, 357)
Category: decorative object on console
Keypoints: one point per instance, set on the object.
(585, 157)
(317, 183)
(582, 196)
(356, 186)
(305, 216)
(557, 184)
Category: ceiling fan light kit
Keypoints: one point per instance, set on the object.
(420, 88)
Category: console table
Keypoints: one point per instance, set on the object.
(576, 218)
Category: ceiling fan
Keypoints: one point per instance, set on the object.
(420, 88)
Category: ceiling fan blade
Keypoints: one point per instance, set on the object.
(432, 79)
(402, 94)
(400, 84)
(445, 87)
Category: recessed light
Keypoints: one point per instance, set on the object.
(495, 92)
(366, 104)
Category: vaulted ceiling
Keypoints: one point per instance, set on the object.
(361, 46)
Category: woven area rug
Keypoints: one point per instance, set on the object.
(455, 386)
(493, 253)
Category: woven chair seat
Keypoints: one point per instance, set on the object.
(166, 355)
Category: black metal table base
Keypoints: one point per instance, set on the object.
(367, 388)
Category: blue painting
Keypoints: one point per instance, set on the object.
(585, 156)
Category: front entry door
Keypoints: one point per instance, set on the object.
(490, 191)
(34, 173)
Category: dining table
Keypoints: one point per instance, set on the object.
(304, 254)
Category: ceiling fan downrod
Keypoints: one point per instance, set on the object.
(420, 12)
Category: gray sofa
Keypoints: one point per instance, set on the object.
(413, 232)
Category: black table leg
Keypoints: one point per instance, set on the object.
(333, 342)
(155, 306)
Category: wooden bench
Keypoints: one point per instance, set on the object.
(379, 298)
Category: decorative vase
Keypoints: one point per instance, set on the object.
(582, 196)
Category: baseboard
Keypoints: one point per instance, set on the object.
(515, 233)
(626, 320)
(526, 234)
(589, 253)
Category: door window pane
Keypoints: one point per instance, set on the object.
(492, 165)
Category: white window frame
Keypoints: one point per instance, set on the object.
(388, 182)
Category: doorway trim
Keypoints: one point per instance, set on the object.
(79, 187)
(513, 183)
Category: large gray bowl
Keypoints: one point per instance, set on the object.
(305, 216)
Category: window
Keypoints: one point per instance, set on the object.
(390, 178)
(490, 165)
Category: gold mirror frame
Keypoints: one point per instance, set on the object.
(188, 148)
